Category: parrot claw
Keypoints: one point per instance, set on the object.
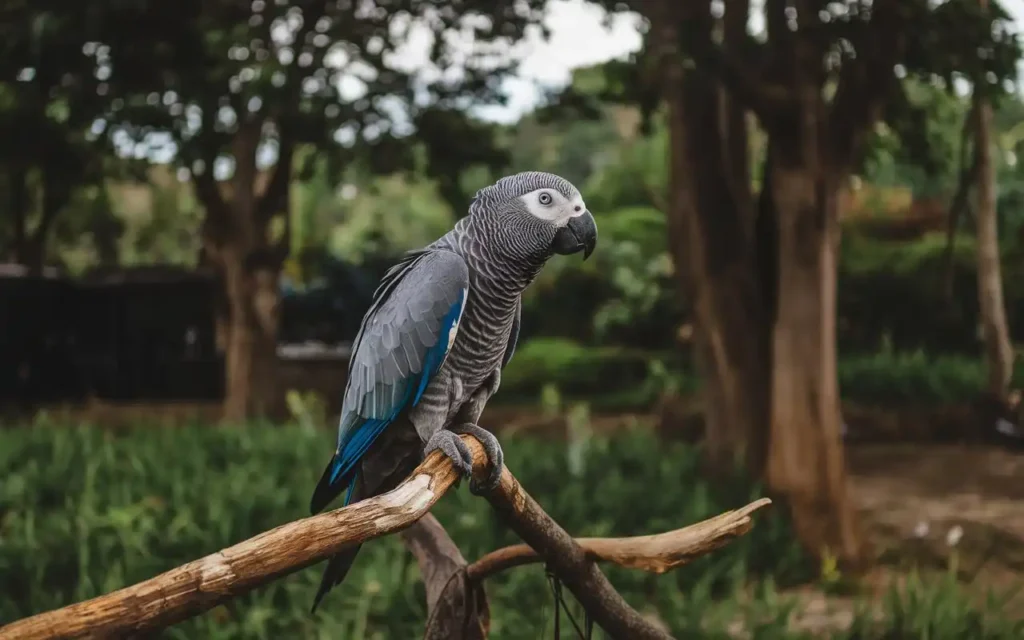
(454, 448)
(494, 456)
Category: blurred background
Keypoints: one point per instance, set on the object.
(808, 285)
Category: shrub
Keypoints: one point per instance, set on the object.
(887, 378)
(616, 378)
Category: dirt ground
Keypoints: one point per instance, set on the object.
(929, 507)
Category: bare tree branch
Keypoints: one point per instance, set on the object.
(570, 563)
(656, 553)
(456, 606)
(200, 585)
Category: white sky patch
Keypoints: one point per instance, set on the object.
(578, 39)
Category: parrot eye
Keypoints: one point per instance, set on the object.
(544, 198)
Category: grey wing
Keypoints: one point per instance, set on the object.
(404, 337)
(513, 335)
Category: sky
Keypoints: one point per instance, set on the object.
(578, 39)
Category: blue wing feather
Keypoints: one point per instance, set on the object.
(402, 343)
(437, 354)
(361, 433)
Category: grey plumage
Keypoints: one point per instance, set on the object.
(443, 323)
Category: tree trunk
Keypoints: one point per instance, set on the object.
(235, 240)
(251, 340)
(995, 330)
(712, 244)
(763, 286)
(805, 462)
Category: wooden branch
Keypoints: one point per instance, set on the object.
(200, 585)
(657, 553)
(570, 563)
(457, 607)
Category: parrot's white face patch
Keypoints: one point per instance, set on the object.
(550, 205)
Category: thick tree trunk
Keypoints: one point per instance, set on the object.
(712, 243)
(236, 241)
(995, 330)
(805, 462)
(251, 337)
(763, 286)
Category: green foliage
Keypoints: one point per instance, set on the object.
(200, 72)
(920, 146)
(85, 511)
(387, 216)
(619, 378)
(48, 105)
(940, 610)
(636, 174)
(896, 293)
(577, 370)
(913, 378)
(626, 294)
(162, 229)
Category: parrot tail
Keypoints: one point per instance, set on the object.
(331, 484)
(339, 564)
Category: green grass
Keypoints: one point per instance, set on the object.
(84, 511)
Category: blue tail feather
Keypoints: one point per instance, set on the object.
(339, 564)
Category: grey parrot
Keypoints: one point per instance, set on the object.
(429, 352)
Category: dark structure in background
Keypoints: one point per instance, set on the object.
(38, 338)
(330, 309)
(149, 333)
(122, 335)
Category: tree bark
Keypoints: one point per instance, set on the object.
(805, 461)
(237, 243)
(251, 340)
(995, 329)
(710, 216)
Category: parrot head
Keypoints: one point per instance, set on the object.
(537, 212)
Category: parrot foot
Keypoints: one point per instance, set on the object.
(452, 446)
(494, 456)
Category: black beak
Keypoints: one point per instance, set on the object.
(579, 235)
